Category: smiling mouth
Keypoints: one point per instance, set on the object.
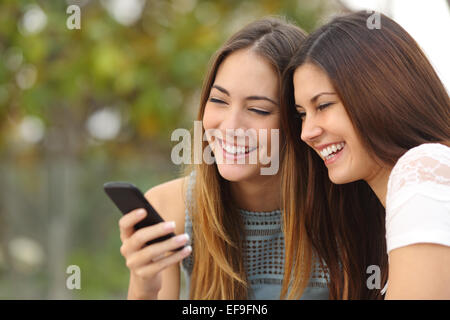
(331, 151)
(235, 150)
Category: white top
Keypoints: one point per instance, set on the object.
(418, 197)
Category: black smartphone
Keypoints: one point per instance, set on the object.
(127, 197)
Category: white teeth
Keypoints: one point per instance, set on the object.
(236, 149)
(326, 152)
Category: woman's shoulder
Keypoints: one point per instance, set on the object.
(168, 199)
(425, 167)
(436, 151)
(418, 197)
(424, 162)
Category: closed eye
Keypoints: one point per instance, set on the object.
(323, 106)
(301, 114)
(261, 112)
(214, 100)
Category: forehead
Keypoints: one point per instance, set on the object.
(310, 80)
(244, 72)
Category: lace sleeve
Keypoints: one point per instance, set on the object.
(418, 197)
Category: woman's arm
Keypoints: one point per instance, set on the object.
(168, 200)
(419, 271)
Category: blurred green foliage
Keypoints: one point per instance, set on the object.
(150, 72)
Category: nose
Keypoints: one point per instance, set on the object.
(311, 130)
(232, 120)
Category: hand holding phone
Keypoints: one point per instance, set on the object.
(127, 198)
(146, 240)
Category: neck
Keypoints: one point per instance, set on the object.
(261, 195)
(378, 183)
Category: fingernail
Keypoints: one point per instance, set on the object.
(187, 249)
(140, 212)
(182, 238)
(169, 225)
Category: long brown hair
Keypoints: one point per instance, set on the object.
(395, 101)
(218, 271)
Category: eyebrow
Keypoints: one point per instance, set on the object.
(248, 98)
(313, 99)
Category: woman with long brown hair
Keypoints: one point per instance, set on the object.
(229, 210)
(375, 118)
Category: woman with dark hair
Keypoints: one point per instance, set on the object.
(376, 117)
(230, 211)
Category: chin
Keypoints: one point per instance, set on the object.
(340, 178)
(236, 172)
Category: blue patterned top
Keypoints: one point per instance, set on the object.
(263, 254)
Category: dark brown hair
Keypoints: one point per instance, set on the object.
(218, 271)
(395, 101)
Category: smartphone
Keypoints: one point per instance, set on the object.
(127, 197)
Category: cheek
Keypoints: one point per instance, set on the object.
(275, 128)
(269, 130)
(339, 126)
(353, 141)
(210, 119)
(362, 157)
(361, 163)
(271, 122)
(336, 119)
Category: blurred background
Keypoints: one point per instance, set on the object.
(85, 106)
